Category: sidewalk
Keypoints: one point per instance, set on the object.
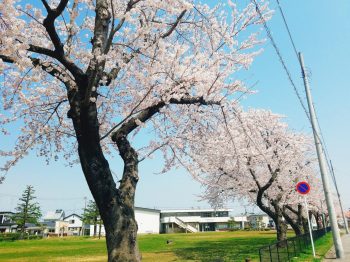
(346, 245)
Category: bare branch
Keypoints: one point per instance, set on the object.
(172, 28)
(153, 151)
(129, 115)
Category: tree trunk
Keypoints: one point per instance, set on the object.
(276, 215)
(99, 229)
(302, 219)
(95, 227)
(116, 205)
(281, 226)
(298, 230)
(319, 220)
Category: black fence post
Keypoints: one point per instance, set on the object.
(295, 253)
(287, 249)
(260, 254)
(300, 243)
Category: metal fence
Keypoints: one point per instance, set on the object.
(285, 250)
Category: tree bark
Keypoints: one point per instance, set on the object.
(281, 225)
(298, 230)
(276, 214)
(116, 205)
(95, 226)
(99, 228)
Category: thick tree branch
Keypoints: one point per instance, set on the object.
(42, 51)
(49, 68)
(173, 27)
(291, 209)
(7, 59)
(97, 63)
(49, 24)
(255, 178)
(147, 113)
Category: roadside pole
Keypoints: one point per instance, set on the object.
(310, 228)
(303, 188)
(323, 168)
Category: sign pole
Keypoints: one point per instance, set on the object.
(310, 228)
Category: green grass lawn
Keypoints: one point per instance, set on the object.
(213, 246)
(322, 246)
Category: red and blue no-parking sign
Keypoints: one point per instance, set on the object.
(303, 188)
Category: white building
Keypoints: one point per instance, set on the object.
(194, 220)
(75, 224)
(148, 221)
(54, 223)
(241, 221)
(6, 223)
(259, 221)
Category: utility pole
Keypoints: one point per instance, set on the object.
(323, 167)
(340, 203)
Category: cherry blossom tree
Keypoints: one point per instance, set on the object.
(249, 155)
(82, 77)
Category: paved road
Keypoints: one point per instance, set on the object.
(346, 245)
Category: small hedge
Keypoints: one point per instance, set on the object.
(17, 236)
(10, 236)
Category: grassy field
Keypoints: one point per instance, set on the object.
(322, 246)
(213, 246)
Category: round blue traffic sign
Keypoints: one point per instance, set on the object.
(303, 188)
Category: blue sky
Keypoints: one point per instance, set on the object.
(321, 30)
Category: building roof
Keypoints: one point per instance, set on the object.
(257, 215)
(49, 224)
(6, 213)
(148, 209)
(72, 215)
(195, 210)
(54, 215)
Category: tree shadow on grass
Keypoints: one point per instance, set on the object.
(237, 249)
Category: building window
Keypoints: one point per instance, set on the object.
(71, 221)
(206, 214)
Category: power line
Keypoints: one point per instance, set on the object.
(320, 135)
(289, 33)
(44, 198)
(323, 142)
(269, 34)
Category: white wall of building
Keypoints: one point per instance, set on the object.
(258, 221)
(74, 224)
(148, 222)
